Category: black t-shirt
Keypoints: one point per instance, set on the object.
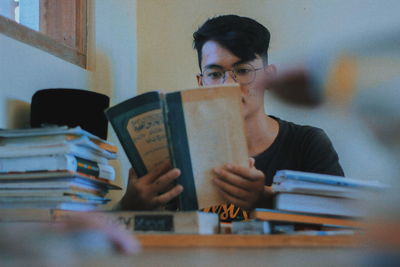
(300, 148)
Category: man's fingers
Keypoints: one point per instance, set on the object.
(164, 182)
(132, 175)
(251, 174)
(268, 190)
(231, 199)
(157, 172)
(240, 185)
(232, 190)
(252, 161)
(167, 196)
(231, 178)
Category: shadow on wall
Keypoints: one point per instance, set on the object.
(101, 81)
(17, 113)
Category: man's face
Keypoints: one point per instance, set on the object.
(214, 56)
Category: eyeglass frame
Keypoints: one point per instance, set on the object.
(234, 76)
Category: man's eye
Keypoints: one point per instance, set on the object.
(242, 71)
(214, 75)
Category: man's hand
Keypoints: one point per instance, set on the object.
(153, 190)
(242, 186)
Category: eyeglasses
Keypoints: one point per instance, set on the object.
(241, 73)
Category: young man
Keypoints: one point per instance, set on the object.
(233, 49)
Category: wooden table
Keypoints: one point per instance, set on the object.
(202, 250)
(244, 241)
(241, 250)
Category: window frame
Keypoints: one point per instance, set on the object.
(78, 29)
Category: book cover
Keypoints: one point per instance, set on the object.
(76, 149)
(326, 179)
(29, 200)
(40, 179)
(50, 192)
(57, 163)
(139, 125)
(315, 204)
(297, 217)
(49, 205)
(303, 187)
(48, 134)
(196, 129)
(47, 140)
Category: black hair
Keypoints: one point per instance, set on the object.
(244, 37)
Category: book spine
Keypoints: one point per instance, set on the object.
(119, 117)
(85, 142)
(179, 150)
(174, 204)
(93, 168)
(59, 149)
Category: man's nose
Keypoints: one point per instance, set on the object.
(229, 77)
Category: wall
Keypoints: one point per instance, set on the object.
(111, 70)
(166, 60)
(23, 70)
(113, 63)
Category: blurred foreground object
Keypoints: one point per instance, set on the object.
(360, 79)
(65, 243)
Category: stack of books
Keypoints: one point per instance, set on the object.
(314, 203)
(323, 194)
(54, 168)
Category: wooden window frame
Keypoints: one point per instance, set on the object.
(53, 23)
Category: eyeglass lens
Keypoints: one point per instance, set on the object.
(242, 73)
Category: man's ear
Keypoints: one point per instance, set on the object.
(199, 80)
(271, 72)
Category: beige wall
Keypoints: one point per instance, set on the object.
(166, 60)
(165, 27)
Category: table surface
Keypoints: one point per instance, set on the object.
(214, 250)
(245, 241)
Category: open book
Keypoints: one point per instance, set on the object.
(196, 129)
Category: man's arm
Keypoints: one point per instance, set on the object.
(153, 190)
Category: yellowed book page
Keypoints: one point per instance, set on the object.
(215, 129)
(147, 131)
